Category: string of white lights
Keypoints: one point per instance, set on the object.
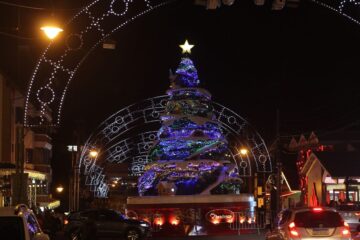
(340, 9)
(116, 8)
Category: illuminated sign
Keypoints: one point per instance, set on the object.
(217, 216)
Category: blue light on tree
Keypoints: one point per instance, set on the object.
(192, 152)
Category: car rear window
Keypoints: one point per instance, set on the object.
(12, 228)
(349, 207)
(323, 219)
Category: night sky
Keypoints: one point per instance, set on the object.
(253, 60)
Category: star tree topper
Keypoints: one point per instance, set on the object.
(186, 47)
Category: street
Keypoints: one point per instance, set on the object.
(231, 237)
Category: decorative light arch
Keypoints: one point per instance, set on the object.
(60, 61)
(128, 135)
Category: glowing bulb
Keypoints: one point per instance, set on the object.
(60, 189)
(51, 31)
(93, 153)
(244, 151)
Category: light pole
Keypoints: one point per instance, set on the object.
(72, 183)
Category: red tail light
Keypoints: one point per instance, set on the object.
(345, 232)
(292, 229)
(294, 233)
(317, 209)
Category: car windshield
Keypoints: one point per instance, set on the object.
(322, 219)
(12, 228)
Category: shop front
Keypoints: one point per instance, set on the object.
(196, 215)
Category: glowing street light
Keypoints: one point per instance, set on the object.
(93, 153)
(51, 32)
(60, 189)
(243, 151)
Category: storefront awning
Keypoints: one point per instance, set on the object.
(47, 202)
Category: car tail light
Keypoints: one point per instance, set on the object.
(292, 229)
(294, 233)
(357, 214)
(345, 232)
(317, 209)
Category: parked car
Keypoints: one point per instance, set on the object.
(104, 224)
(309, 223)
(356, 234)
(20, 223)
(351, 214)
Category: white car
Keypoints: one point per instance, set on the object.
(20, 223)
(310, 223)
(351, 214)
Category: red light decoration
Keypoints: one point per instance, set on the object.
(215, 221)
(230, 220)
(218, 216)
(159, 221)
(174, 220)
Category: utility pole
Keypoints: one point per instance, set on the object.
(278, 163)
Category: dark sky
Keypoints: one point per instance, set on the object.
(253, 60)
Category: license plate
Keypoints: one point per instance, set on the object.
(320, 232)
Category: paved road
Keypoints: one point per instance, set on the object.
(236, 237)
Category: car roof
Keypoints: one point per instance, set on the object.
(7, 211)
(304, 209)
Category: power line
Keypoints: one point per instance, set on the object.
(21, 6)
(36, 8)
(15, 36)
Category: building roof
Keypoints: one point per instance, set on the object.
(341, 164)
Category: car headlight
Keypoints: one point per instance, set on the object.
(144, 224)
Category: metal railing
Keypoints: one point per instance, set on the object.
(248, 220)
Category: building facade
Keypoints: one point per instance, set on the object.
(327, 167)
(22, 148)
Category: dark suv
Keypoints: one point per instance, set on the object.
(104, 224)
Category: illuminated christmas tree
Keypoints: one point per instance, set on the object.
(191, 155)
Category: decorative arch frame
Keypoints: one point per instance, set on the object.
(125, 137)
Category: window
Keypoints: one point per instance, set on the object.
(106, 215)
(323, 219)
(12, 228)
(92, 215)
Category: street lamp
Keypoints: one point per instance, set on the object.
(93, 153)
(51, 31)
(243, 151)
(60, 189)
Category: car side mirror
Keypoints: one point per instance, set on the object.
(41, 236)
